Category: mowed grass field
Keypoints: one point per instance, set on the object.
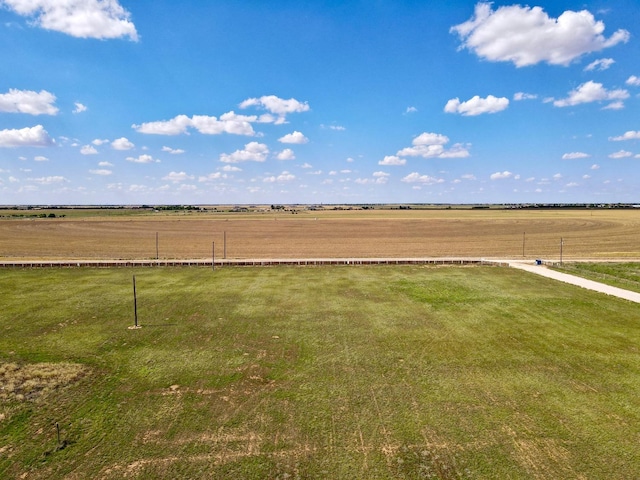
(598, 233)
(316, 372)
(622, 275)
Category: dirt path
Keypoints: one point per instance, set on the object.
(519, 264)
(579, 281)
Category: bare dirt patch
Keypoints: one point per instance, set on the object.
(31, 381)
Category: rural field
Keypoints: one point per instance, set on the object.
(491, 233)
(316, 372)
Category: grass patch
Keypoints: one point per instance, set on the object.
(621, 275)
(331, 372)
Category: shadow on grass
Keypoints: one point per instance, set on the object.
(148, 325)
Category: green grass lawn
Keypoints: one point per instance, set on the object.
(326, 372)
(622, 275)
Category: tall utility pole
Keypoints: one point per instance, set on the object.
(213, 255)
(523, 236)
(157, 246)
(561, 244)
(225, 245)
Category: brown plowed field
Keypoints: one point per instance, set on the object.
(597, 234)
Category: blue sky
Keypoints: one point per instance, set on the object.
(248, 102)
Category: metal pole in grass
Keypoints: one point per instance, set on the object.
(561, 244)
(225, 244)
(58, 430)
(523, 238)
(213, 255)
(157, 246)
(135, 303)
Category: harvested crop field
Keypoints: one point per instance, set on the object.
(598, 234)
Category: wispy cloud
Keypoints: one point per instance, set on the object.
(575, 155)
(591, 92)
(600, 64)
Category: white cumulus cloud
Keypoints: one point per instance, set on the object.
(177, 177)
(277, 106)
(431, 145)
(457, 150)
(27, 101)
(415, 177)
(621, 154)
(122, 143)
(80, 108)
(173, 151)
(430, 139)
(477, 105)
(282, 178)
(252, 152)
(205, 124)
(102, 172)
(379, 178)
(633, 81)
(295, 137)
(175, 126)
(617, 105)
(630, 135)
(286, 154)
(591, 92)
(232, 124)
(392, 160)
(501, 175)
(25, 137)
(88, 150)
(527, 35)
(79, 18)
(142, 159)
(424, 151)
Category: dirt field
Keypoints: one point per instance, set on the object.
(595, 234)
